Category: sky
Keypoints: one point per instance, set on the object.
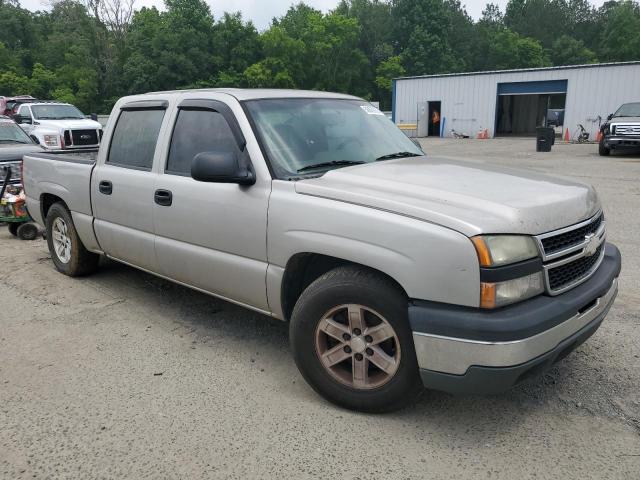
(262, 11)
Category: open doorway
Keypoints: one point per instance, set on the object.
(429, 119)
(434, 119)
(523, 106)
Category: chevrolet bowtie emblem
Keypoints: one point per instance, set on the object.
(592, 244)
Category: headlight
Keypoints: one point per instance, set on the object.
(51, 140)
(499, 294)
(501, 250)
(496, 250)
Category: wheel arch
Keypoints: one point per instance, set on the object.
(46, 202)
(305, 267)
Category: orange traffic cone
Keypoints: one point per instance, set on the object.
(598, 136)
(566, 135)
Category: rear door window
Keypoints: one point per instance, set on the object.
(134, 139)
(198, 131)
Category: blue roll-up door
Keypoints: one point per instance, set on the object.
(532, 88)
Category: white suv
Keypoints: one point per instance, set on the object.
(58, 126)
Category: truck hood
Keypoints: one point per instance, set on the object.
(615, 120)
(15, 151)
(471, 198)
(76, 124)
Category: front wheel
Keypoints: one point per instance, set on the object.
(67, 251)
(351, 340)
(602, 150)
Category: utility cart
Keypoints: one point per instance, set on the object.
(13, 210)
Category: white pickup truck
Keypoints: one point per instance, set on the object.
(58, 126)
(396, 270)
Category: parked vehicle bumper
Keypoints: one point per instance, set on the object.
(621, 142)
(467, 350)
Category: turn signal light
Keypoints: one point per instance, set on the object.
(487, 295)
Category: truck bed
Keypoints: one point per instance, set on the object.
(66, 175)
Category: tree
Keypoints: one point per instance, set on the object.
(236, 47)
(569, 51)
(42, 82)
(311, 50)
(543, 20)
(388, 70)
(423, 33)
(621, 35)
(509, 50)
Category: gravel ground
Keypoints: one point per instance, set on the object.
(123, 375)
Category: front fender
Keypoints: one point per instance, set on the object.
(428, 261)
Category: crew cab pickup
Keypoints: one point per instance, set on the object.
(395, 270)
(621, 131)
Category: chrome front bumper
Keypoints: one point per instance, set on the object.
(455, 355)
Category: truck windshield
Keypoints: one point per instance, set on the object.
(56, 112)
(12, 133)
(628, 110)
(305, 136)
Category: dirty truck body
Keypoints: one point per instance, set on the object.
(395, 269)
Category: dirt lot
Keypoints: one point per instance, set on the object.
(123, 375)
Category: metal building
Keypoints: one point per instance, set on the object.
(514, 102)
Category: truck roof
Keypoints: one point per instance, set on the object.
(256, 93)
(48, 102)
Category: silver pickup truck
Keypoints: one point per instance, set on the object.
(395, 270)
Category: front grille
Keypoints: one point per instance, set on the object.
(84, 137)
(572, 272)
(67, 137)
(16, 171)
(565, 240)
(627, 129)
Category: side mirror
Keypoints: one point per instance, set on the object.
(220, 167)
(94, 117)
(610, 116)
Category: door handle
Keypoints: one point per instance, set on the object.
(106, 187)
(163, 198)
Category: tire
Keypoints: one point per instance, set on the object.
(28, 231)
(13, 229)
(602, 150)
(376, 298)
(75, 260)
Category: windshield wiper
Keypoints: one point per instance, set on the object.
(398, 155)
(332, 163)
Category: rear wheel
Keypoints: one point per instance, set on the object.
(13, 229)
(351, 340)
(27, 231)
(67, 251)
(602, 150)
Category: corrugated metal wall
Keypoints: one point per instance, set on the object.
(469, 101)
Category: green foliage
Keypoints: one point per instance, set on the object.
(72, 54)
(621, 36)
(388, 70)
(569, 51)
(509, 50)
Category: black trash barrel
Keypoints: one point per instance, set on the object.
(545, 137)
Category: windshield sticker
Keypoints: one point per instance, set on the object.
(371, 110)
